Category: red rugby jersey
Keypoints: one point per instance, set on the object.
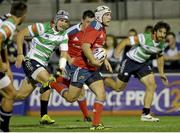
(94, 34)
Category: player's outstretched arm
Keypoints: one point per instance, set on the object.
(20, 38)
(121, 46)
(160, 66)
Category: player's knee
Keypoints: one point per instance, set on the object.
(10, 95)
(20, 97)
(119, 88)
(101, 96)
(151, 87)
(71, 99)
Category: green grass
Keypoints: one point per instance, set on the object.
(112, 124)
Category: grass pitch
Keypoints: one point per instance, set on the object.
(112, 124)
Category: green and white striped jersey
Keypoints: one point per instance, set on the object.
(146, 46)
(45, 40)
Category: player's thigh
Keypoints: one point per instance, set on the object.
(82, 94)
(8, 91)
(74, 92)
(6, 85)
(34, 70)
(97, 88)
(43, 76)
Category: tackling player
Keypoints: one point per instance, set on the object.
(75, 34)
(46, 37)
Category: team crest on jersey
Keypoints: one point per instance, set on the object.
(96, 25)
(75, 39)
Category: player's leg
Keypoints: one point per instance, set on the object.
(98, 104)
(71, 93)
(45, 118)
(8, 94)
(96, 85)
(150, 85)
(83, 105)
(146, 76)
(37, 73)
(123, 76)
(25, 90)
(116, 85)
(44, 77)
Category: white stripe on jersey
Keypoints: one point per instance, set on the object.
(30, 30)
(133, 55)
(40, 28)
(142, 53)
(131, 38)
(141, 39)
(9, 25)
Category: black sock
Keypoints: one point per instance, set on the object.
(146, 111)
(5, 118)
(44, 105)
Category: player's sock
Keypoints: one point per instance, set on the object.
(97, 110)
(44, 105)
(5, 118)
(146, 111)
(60, 79)
(83, 106)
(59, 87)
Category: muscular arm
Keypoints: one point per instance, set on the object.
(160, 64)
(88, 52)
(20, 39)
(121, 46)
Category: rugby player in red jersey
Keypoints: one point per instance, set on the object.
(75, 34)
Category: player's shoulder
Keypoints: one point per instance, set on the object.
(96, 25)
(73, 29)
(9, 22)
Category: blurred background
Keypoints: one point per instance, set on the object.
(129, 17)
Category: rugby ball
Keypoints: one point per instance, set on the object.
(100, 53)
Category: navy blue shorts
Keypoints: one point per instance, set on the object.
(130, 67)
(29, 67)
(80, 76)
